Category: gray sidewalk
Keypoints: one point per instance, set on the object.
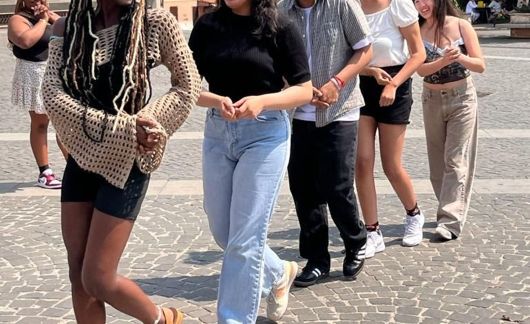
(481, 278)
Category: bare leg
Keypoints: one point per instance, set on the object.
(75, 225)
(391, 141)
(38, 137)
(106, 242)
(364, 169)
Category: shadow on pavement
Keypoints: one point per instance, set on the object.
(196, 288)
(6, 187)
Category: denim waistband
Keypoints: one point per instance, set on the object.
(265, 113)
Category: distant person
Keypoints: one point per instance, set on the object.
(471, 11)
(496, 11)
(449, 109)
(29, 31)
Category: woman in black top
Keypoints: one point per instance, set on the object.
(29, 31)
(247, 52)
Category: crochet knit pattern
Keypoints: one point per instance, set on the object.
(114, 156)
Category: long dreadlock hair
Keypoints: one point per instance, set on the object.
(129, 56)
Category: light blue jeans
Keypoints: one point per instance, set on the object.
(244, 163)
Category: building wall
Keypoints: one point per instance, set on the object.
(185, 9)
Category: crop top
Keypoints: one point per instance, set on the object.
(449, 73)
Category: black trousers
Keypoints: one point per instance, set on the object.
(321, 173)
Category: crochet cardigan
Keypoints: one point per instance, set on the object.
(114, 156)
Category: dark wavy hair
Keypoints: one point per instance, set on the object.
(266, 16)
(442, 9)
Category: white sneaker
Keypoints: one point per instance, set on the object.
(443, 233)
(374, 243)
(413, 230)
(48, 180)
(278, 298)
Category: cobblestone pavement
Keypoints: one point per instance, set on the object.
(481, 278)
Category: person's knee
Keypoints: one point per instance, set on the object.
(39, 122)
(364, 165)
(97, 283)
(393, 171)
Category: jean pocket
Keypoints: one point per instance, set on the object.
(270, 116)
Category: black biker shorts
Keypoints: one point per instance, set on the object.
(83, 186)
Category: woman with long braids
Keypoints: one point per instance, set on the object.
(96, 92)
(29, 31)
(449, 109)
(245, 51)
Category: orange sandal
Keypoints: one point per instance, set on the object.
(172, 315)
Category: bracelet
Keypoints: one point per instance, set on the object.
(336, 84)
(340, 81)
(45, 21)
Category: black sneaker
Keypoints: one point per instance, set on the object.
(310, 275)
(353, 263)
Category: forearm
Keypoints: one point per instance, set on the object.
(413, 63)
(291, 97)
(431, 67)
(367, 71)
(209, 100)
(475, 64)
(356, 64)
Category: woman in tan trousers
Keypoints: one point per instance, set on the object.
(449, 109)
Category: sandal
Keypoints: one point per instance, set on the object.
(172, 315)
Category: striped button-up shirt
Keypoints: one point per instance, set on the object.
(336, 26)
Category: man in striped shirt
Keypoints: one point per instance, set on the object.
(338, 45)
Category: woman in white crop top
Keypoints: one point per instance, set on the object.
(386, 86)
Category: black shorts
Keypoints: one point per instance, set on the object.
(83, 186)
(399, 111)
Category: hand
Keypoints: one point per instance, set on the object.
(248, 107)
(41, 11)
(388, 95)
(226, 107)
(330, 93)
(316, 99)
(145, 139)
(450, 55)
(381, 76)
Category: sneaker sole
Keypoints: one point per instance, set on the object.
(310, 283)
(41, 185)
(441, 234)
(411, 245)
